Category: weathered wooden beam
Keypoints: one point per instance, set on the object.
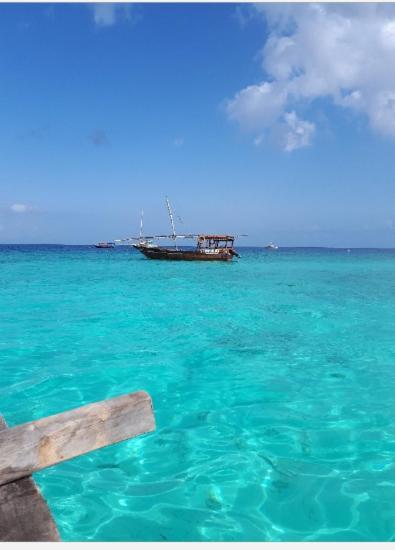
(24, 514)
(36, 445)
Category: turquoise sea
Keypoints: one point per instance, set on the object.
(272, 378)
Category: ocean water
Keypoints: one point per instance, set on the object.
(272, 378)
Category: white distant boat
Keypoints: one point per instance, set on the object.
(271, 246)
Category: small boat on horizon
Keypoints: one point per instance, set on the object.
(105, 245)
(208, 247)
(271, 246)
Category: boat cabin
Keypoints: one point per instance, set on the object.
(208, 243)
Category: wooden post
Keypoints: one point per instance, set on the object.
(24, 515)
(42, 443)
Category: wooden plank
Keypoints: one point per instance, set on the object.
(36, 445)
(24, 514)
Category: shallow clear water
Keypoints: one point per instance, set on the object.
(273, 382)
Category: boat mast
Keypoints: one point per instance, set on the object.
(171, 221)
(141, 225)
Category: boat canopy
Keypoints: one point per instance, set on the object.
(215, 241)
(217, 237)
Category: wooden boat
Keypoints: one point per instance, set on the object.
(208, 247)
(105, 245)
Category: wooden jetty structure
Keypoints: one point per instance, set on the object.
(30, 447)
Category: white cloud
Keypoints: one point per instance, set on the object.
(20, 208)
(341, 52)
(243, 15)
(106, 15)
(296, 133)
(257, 106)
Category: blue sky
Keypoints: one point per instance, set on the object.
(253, 119)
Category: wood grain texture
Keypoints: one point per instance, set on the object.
(24, 514)
(36, 445)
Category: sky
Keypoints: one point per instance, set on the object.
(271, 120)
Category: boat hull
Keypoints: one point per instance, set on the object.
(184, 255)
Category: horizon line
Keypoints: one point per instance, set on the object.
(242, 246)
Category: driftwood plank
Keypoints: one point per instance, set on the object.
(36, 445)
(24, 514)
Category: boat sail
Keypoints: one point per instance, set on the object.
(208, 247)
